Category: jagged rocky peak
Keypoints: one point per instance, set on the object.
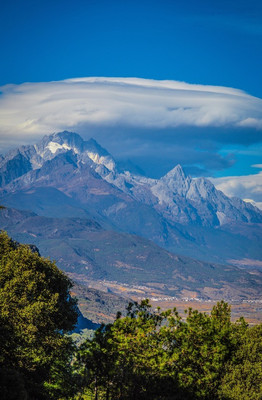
(176, 173)
(184, 185)
(59, 142)
(50, 146)
(176, 180)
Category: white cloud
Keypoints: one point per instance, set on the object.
(251, 123)
(248, 187)
(38, 108)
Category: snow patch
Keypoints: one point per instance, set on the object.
(53, 147)
(106, 161)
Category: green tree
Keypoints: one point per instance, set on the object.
(155, 355)
(243, 374)
(36, 311)
(201, 347)
(127, 360)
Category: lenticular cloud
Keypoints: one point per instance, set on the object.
(44, 107)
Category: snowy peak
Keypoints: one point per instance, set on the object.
(69, 141)
(176, 173)
(19, 161)
(196, 201)
(183, 185)
(52, 145)
(59, 142)
(176, 181)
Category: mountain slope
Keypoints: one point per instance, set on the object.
(88, 253)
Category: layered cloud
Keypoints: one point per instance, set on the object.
(46, 107)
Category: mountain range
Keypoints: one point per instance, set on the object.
(102, 221)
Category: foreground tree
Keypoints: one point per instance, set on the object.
(126, 360)
(154, 355)
(201, 348)
(243, 374)
(36, 311)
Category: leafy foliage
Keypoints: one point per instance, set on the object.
(155, 355)
(35, 313)
(243, 377)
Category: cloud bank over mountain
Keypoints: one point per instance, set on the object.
(157, 124)
(43, 107)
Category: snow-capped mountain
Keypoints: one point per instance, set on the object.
(182, 199)
(57, 143)
(65, 176)
(175, 196)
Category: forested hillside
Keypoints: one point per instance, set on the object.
(146, 355)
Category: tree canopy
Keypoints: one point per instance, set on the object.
(36, 311)
(154, 355)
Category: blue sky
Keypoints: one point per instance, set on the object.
(197, 41)
(201, 42)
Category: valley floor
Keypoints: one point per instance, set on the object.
(251, 310)
(110, 297)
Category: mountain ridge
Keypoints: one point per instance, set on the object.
(168, 189)
(181, 214)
